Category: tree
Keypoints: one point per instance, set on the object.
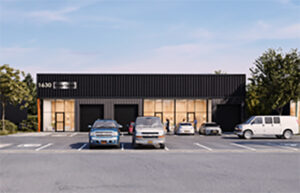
(12, 89)
(219, 72)
(32, 108)
(274, 82)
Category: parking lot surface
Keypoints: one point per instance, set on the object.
(174, 143)
(63, 162)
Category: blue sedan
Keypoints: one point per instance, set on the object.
(104, 133)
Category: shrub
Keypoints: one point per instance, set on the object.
(30, 124)
(10, 127)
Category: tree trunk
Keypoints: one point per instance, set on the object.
(279, 110)
(3, 116)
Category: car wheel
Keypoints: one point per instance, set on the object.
(248, 134)
(162, 146)
(91, 146)
(287, 134)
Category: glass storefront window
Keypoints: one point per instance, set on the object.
(176, 111)
(59, 115)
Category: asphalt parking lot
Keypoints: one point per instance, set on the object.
(63, 162)
(174, 143)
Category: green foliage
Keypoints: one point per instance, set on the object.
(32, 108)
(30, 124)
(274, 82)
(219, 72)
(10, 127)
(12, 89)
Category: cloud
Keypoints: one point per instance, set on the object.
(52, 15)
(263, 30)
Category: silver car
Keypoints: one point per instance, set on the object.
(210, 129)
(185, 128)
(148, 131)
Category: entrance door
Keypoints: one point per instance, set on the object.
(59, 121)
(160, 115)
(124, 114)
(89, 114)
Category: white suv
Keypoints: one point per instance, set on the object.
(280, 126)
(148, 131)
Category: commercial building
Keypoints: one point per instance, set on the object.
(70, 102)
(295, 109)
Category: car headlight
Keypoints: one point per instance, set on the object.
(93, 134)
(115, 133)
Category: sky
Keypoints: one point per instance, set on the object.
(144, 36)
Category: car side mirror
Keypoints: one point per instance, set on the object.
(89, 126)
(120, 126)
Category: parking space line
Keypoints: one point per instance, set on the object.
(43, 147)
(29, 145)
(5, 145)
(166, 148)
(291, 148)
(203, 146)
(82, 147)
(243, 146)
(72, 135)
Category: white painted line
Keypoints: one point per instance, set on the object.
(43, 147)
(5, 145)
(243, 146)
(72, 135)
(166, 148)
(29, 145)
(82, 147)
(291, 148)
(122, 146)
(203, 146)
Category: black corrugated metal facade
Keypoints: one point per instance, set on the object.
(143, 85)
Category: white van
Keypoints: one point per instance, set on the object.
(280, 126)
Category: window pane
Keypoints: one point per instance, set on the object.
(149, 114)
(276, 120)
(180, 117)
(181, 106)
(69, 106)
(268, 120)
(258, 121)
(200, 105)
(59, 106)
(168, 106)
(149, 106)
(158, 105)
(191, 105)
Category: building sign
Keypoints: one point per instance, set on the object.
(64, 85)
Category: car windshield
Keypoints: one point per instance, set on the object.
(105, 124)
(146, 122)
(211, 125)
(249, 120)
(185, 124)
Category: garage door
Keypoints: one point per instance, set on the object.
(228, 116)
(88, 114)
(124, 114)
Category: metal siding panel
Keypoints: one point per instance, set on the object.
(130, 85)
